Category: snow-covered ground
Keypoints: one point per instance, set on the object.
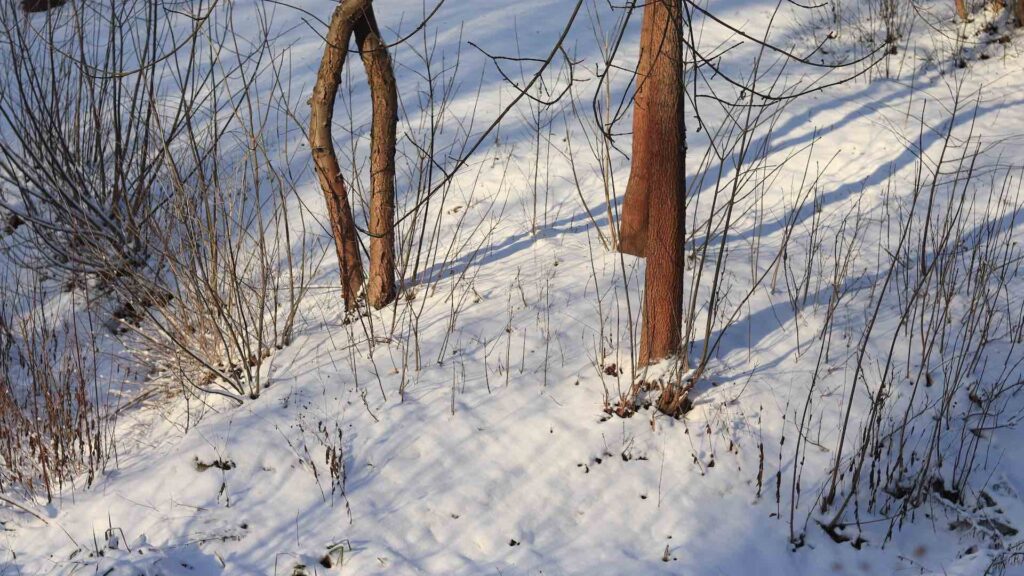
(479, 444)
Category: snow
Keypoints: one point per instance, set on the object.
(497, 456)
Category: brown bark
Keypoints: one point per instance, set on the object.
(654, 202)
(634, 216)
(1018, 11)
(961, 9)
(328, 78)
(383, 92)
(647, 148)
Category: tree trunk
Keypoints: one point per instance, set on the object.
(1018, 11)
(384, 94)
(634, 216)
(961, 9)
(653, 217)
(344, 19)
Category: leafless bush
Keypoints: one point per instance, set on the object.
(234, 286)
(52, 422)
(872, 24)
(81, 98)
(234, 253)
(139, 158)
(937, 357)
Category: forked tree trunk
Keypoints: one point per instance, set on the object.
(381, 76)
(328, 78)
(653, 213)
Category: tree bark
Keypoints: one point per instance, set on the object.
(633, 219)
(328, 78)
(653, 218)
(961, 9)
(384, 94)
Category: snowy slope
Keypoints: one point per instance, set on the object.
(495, 456)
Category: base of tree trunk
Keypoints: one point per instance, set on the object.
(667, 391)
(674, 400)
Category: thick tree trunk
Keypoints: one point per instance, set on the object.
(1018, 11)
(384, 94)
(343, 21)
(653, 217)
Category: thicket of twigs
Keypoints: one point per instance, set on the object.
(138, 176)
(53, 424)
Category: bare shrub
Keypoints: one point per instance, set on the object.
(147, 170)
(81, 155)
(233, 255)
(234, 283)
(52, 424)
(937, 355)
